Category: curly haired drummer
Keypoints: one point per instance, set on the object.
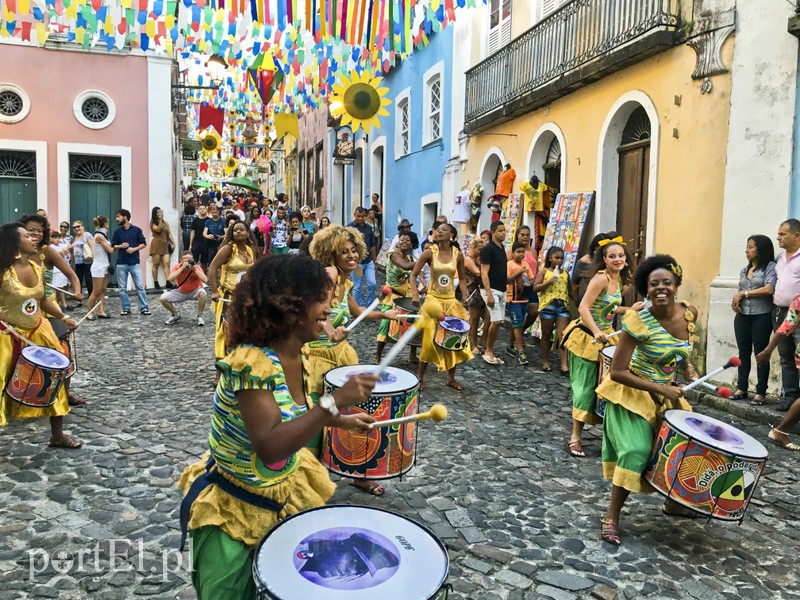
(259, 469)
(340, 250)
(585, 337)
(446, 262)
(655, 343)
(22, 302)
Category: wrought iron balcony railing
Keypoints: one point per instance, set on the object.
(576, 34)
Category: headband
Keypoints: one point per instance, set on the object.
(675, 269)
(616, 240)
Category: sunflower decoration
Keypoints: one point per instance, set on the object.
(210, 140)
(231, 165)
(359, 101)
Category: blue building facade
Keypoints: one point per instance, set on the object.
(411, 160)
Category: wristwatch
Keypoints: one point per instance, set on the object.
(747, 295)
(329, 404)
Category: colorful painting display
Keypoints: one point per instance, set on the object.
(566, 226)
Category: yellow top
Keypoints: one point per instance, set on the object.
(234, 269)
(20, 304)
(443, 274)
(558, 291)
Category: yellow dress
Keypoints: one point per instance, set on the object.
(323, 354)
(231, 273)
(299, 482)
(20, 307)
(442, 289)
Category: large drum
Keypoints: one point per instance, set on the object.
(38, 376)
(403, 306)
(381, 453)
(605, 358)
(452, 334)
(705, 465)
(67, 339)
(353, 553)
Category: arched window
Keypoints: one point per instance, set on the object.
(637, 129)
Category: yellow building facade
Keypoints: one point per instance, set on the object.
(646, 136)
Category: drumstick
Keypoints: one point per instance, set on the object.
(431, 308)
(12, 331)
(723, 392)
(732, 362)
(385, 290)
(57, 289)
(91, 310)
(647, 304)
(410, 316)
(437, 413)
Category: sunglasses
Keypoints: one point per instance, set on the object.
(77, 226)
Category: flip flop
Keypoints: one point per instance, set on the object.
(759, 400)
(492, 360)
(456, 385)
(576, 449)
(370, 487)
(68, 442)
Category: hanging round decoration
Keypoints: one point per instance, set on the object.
(359, 101)
(210, 141)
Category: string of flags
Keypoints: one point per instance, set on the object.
(285, 52)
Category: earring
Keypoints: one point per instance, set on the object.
(18, 256)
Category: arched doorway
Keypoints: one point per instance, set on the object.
(492, 165)
(632, 192)
(552, 165)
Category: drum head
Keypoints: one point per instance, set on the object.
(455, 325)
(608, 352)
(407, 304)
(715, 434)
(350, 553)
(45, 357)
(393, 380)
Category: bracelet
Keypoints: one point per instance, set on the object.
(65, 318)
(747, 295)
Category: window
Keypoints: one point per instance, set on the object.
(14, 103)
(95, 168)
(94, 109)
(405, 128)
(432, 128)
(499, 24)
(17, 164)
(549, 6)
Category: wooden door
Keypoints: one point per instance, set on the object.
(634, 167)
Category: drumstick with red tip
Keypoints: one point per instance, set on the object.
(385, 291)
(12, 331)
(722, 392)
(437, 413)
(732, 362)
(430, 310)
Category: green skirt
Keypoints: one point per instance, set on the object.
(627, 444)
(222, 568)
(583, 381)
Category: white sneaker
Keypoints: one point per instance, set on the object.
(200, 322)
(172, 320)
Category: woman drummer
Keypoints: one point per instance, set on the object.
(46, 257)
(398, 277)
(654, 344)
(446, 263)
(259, 470)
(340, 250)
(585, 337)
(23, 301)
(234, 257)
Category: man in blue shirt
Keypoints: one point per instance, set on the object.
(368, 264)
(129, 240)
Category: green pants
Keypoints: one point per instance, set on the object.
(583, 381)
(222, 568)
(627, 443)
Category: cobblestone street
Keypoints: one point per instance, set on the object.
(520, 516)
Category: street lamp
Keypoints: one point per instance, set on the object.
(216, 66)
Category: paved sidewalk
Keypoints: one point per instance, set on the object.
(520, 515)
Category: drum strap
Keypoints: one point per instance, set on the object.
(213, 477)
(580, 326)
(16, 345)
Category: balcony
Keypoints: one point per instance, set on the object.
(576, 45)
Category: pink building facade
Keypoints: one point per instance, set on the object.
(85, 133)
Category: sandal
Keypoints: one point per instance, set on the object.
(546, 369)
(370, 487)
(456, 385)
(739, 395)
(609, 532)
(785, 443)
(90, 318)
(66, 442)
(576, 449)
(492, 360)
(759, 400)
